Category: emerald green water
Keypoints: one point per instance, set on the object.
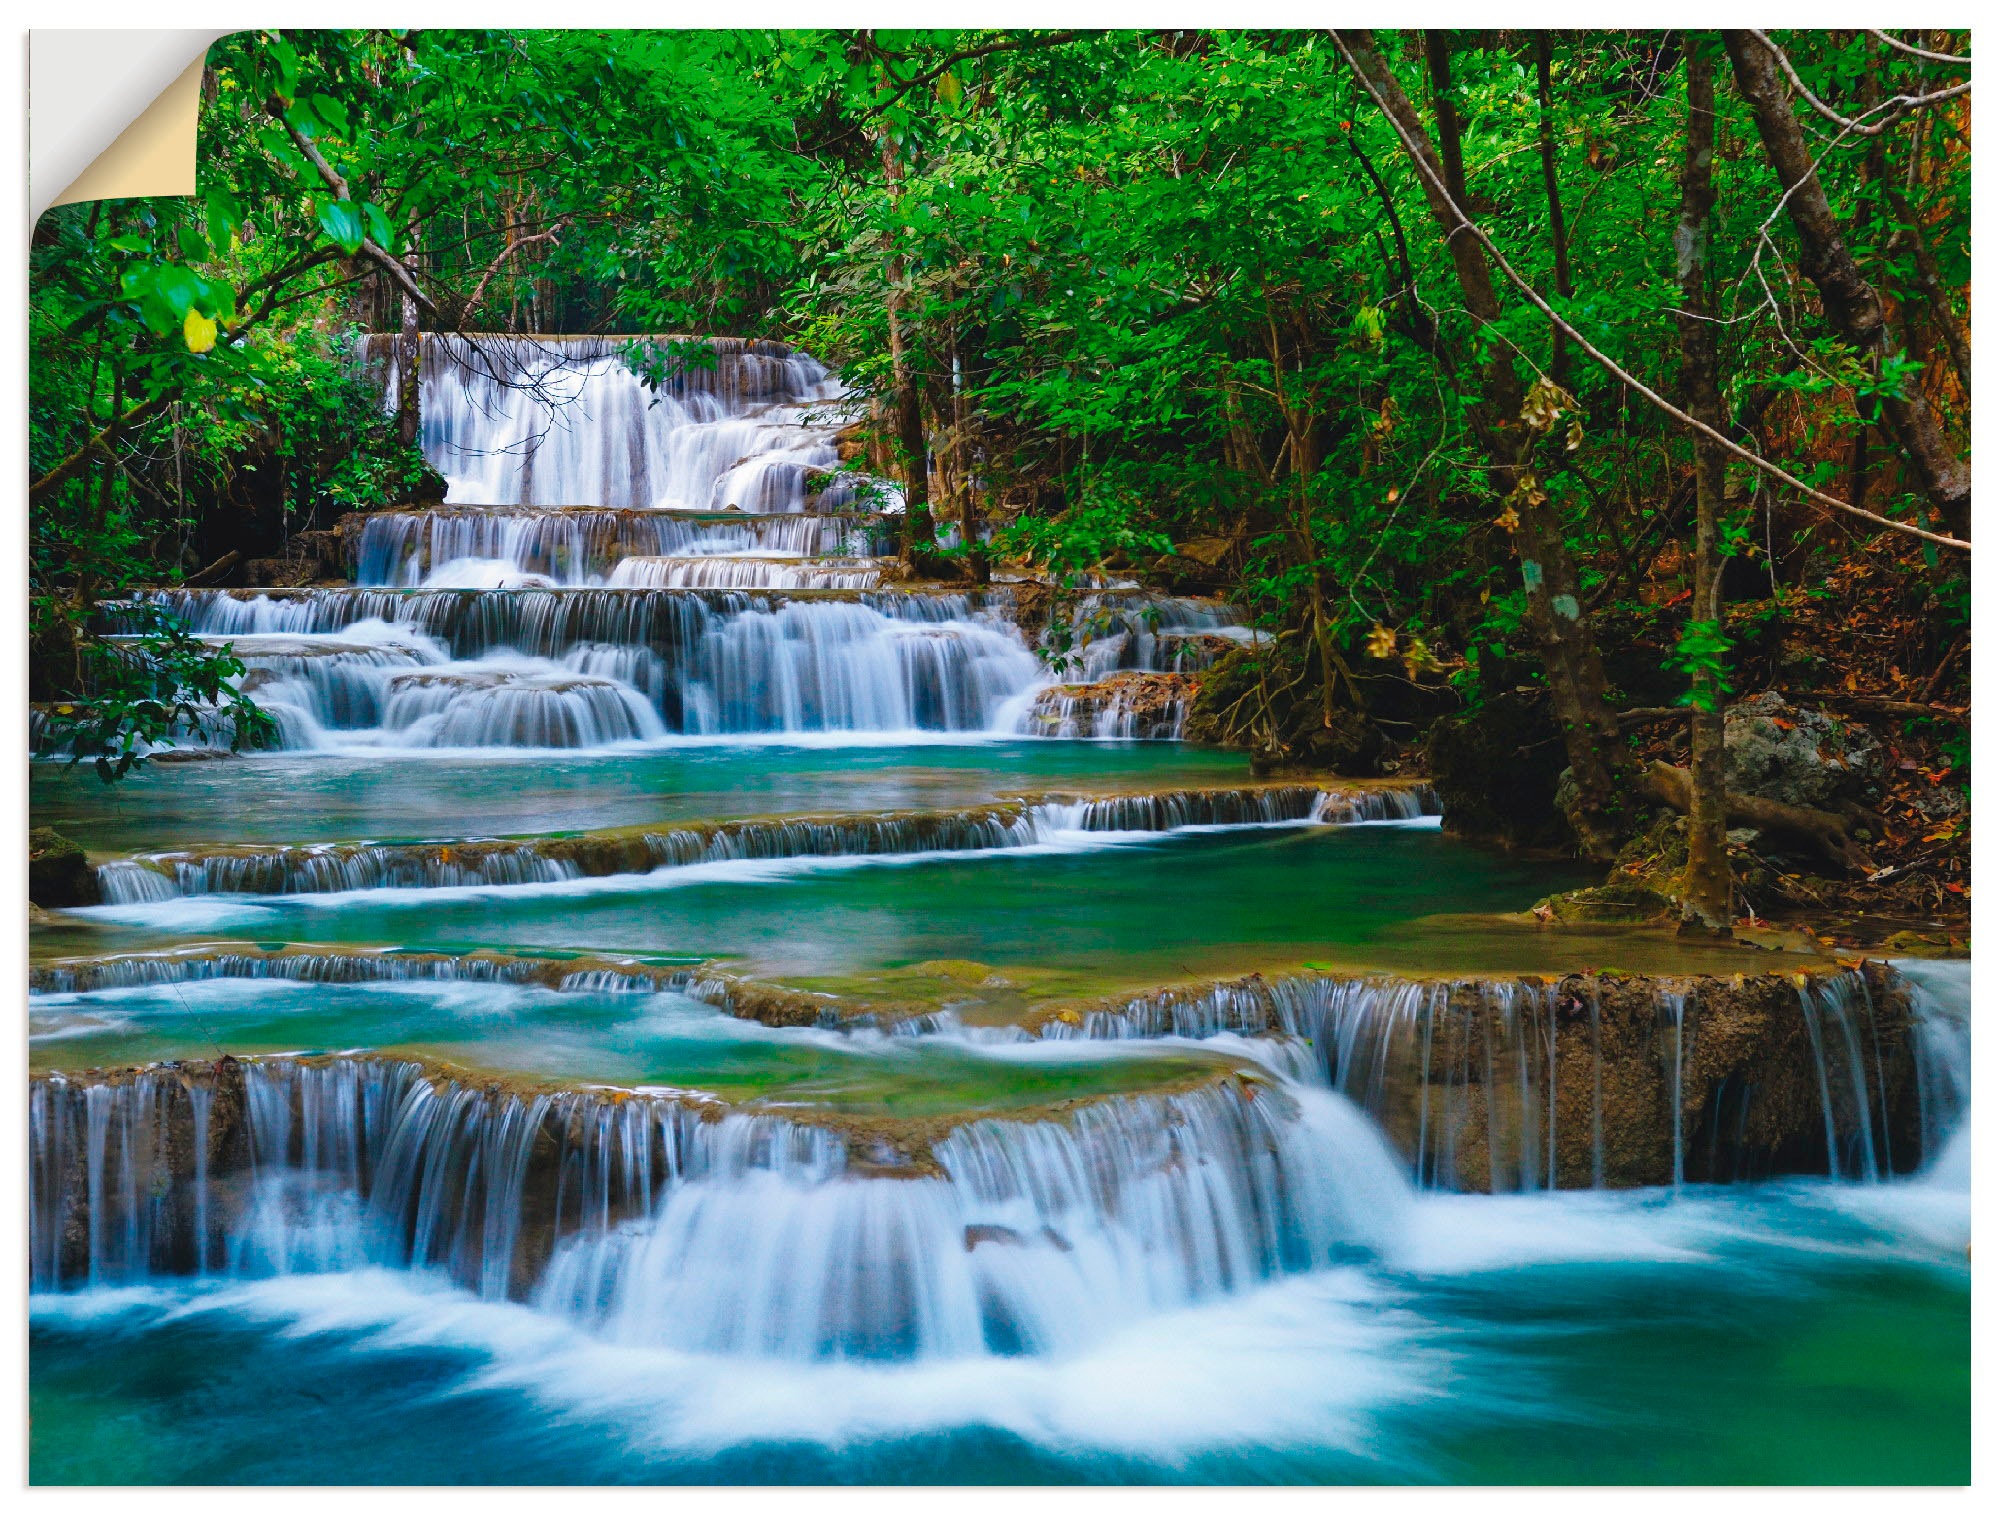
(616, 1038)
(322, 797)
(1799, 1331)
(1097, 918)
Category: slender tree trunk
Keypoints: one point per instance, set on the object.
(919, 531)
(1558, 232)
(1707, 891)
(1852, 306)
(409, 348)
(1600, 761)
(962, 459)
(1437, 54)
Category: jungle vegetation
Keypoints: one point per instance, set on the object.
(1483, 366)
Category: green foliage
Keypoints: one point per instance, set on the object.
(1150, 288)
(1702, 653)
(1081, 538)
(153, 686)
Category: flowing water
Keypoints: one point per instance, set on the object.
(680, 1006)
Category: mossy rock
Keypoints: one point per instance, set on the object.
(1623, 904)
(1926, 944)
(59, 875)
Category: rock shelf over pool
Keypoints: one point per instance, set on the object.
(1591, 1080)
(332, 867)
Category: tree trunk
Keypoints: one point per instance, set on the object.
(1707, 888)
(1600, 762)
(961, 467)
(919, 531)
(1853, 308)
(408, 350)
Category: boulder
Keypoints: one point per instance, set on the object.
(59, 875)
(1783, 752)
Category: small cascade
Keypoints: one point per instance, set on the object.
(336, 1163)
(744, 573)
(1122, 632)
(1840, 1023)
(662, 1220)
(526, 705)
(337, 867)
(1031, 1237)
(1941, 999)
(359, 966)
(581, 547)
(1126, 707)
(545, 420)
(1595, 1081)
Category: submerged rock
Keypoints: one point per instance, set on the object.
(1619, 904)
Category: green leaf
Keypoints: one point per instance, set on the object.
(342, 222)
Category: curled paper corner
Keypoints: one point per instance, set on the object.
(112, 113)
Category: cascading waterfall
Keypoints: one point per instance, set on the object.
(661, 1220)
(334, 867)
(582, 547)
(731, 425)
(1593, 1081)
(590, 667)
(1122, 632)
(1479, 1084)
(743, 573)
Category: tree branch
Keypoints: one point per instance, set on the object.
(390, 264)
(966, 55)
(1918, 52)
(1896, 106)
(1637, 386)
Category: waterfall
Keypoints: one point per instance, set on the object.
(337, 867)
(1129, 708)
(581, 547)
(663, 1220)
(1122, 632)
(1941, 1002)
(354, 965)
(715, 572)
(1503, 1084)
(511, 420)
(591, 667)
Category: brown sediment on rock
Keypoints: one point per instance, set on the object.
(1583, 1080)
(1132, 705)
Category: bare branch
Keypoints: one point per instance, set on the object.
(1896, 106)
(1918, 52)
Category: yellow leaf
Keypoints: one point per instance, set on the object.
(1381, 643)
(199, 331)
(1508, 518)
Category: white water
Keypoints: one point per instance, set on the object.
(555, 421)
(595, 668)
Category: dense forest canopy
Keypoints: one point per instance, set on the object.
(1475, 363)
